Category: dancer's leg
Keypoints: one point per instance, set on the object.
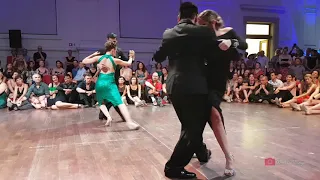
(219, 131)
(105, 111)
(64, 105)
(313, 109)
(125, 112)
(109, 105)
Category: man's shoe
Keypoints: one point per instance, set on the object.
(179, 174)
(204, 158)
(102, 116)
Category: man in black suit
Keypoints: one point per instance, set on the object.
(120, 55)
(187, 47)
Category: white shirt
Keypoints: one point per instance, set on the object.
(277, 83)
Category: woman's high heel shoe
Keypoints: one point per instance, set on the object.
(133, 126)
(109, 120)
(230, 172)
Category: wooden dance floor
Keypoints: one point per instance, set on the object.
(73, 144)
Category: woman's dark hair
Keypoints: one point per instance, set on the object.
(18, 77)
(58, 61)
(135, 78)
(29, 68)
(109, 45)
(121, 77)
(143, 68)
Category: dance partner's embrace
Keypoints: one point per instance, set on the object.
(200, 55)
(106, 88)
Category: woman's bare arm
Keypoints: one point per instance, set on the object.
(91, 58)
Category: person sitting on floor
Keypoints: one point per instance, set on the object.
(263, 92)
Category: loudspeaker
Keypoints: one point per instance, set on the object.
(15, 38)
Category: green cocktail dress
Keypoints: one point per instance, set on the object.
(106, 88)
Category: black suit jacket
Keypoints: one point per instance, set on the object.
(187, 47)
(120, 55)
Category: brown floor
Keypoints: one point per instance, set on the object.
(73, 144)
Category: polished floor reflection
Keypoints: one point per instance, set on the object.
(73, 144)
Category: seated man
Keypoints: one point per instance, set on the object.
(274, 81)
(86, 90)
(37, 93)
(263, 92)
(154, 89)
(66, 95)
(80, 73)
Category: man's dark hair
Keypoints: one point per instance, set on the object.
(112, 36)
(188, 10)
(67, 75)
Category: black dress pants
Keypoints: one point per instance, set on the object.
(193, 112)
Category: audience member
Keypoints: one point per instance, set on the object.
(287, 92)
(69, 61)
(263, 92)
(80, 74)
(122, 89)
(39, 56)
(86, 90)
(134, 93)
(274, 81)
(38, 93)
(297, 69)
(154, 89)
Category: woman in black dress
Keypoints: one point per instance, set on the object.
(217, 78)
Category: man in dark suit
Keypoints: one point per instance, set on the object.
(120, 55)
(187, 47)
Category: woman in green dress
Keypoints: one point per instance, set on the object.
(3, 94)
(106, 88)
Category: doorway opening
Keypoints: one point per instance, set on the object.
(258, 37)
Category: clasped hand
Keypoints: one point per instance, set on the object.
(225, 44)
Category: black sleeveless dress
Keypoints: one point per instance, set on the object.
(219, 70)
(70, 66)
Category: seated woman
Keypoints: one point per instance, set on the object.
(258, 71)
(228, 96)
(313, 108)
(38, 92)
(19, 92)
(287, 92)
(134, 92)
(3, 94)
(122, 89)
(31, 70)
(58, 70)
(249, 86)
(53, 90)
(12, 84)
(61, 94)
(310, 102)
(240, 92)
(126, 72)
(2, 77)
(308, 87)
(42, 70)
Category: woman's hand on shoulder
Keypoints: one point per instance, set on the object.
(227, 29)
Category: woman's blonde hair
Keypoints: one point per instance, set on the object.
(209, 16)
